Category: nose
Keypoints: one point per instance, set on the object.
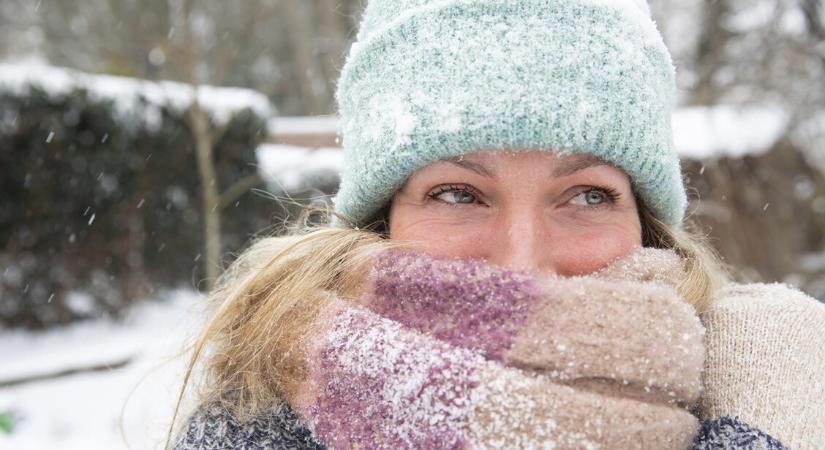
(521, 242)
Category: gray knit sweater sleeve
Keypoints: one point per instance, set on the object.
(729, 433)
(212, 427)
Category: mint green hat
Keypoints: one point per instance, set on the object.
(431, 79)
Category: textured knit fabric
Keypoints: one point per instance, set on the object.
(401, 389)
(382, 383)
(430, 79)
(214, 428)
(727, 433)
(447, 353)
(765, 362)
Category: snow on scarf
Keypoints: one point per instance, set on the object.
(444, 353)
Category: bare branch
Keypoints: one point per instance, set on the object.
(238, 189)
(813, 18)
(102, 367)
(710, 54)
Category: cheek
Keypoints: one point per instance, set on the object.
(584, 252)
(463, 246)
(437, 237)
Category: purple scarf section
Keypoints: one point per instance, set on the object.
(466, 306)
(466, 303)
(413, 395)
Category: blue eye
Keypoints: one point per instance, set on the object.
(595, 197)
(592, 197)
(457, 197)
(454, 195)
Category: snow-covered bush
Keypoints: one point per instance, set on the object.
(100, 190)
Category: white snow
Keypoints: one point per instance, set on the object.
(753, 16)
(793, 21)
(86, 410)
(809, 135)
(760, 16)
(304, 125)
(290, 168)
(703, 132)
(220, 102)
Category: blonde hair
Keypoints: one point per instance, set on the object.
(272, 292)
(706, 273)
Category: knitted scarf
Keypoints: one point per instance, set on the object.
(448, 354)
(443, 353)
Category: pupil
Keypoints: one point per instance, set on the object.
(593, 197)
(462, 197)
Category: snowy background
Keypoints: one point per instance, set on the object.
(102, 104)
(126, 402)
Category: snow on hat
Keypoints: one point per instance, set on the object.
(431, 79)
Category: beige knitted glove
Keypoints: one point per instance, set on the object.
(765, 362)
(646, 265)
(764, 348)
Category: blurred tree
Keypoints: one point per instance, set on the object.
(99, 192)
(205, 135)
(746, 51)
(765, 212)
(291, 50)
(205, 42)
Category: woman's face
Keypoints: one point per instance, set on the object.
(568, 215)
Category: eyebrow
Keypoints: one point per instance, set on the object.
(469, 165)
(572, 166)
(565, 168)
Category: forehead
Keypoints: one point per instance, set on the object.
(486, 162)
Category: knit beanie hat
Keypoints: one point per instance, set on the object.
(431, 79)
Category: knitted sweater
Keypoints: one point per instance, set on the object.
(765, 363)
(213, 428)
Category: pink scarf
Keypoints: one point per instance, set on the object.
(442, 353)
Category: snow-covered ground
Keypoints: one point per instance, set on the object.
(126, 407)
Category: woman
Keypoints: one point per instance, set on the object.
(507, 265)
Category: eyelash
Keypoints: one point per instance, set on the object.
(611, 195)
(433, 195)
